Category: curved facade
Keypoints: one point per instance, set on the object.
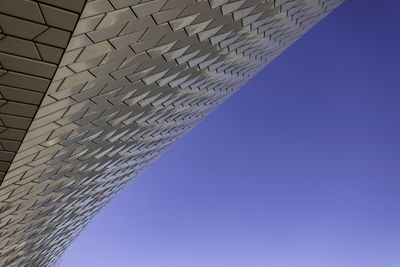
(92, 92)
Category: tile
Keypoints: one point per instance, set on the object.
(59, 18)
(24, 9)
(18, 27)
(19, 47)
(27, 66)
(75, 5)
(54, 37)
(49, 53)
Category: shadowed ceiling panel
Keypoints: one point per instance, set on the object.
(33, 37)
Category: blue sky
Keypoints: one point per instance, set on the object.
(298, 169)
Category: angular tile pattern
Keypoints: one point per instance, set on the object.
(134, 78)
(33, 37)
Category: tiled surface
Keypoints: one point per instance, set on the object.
(135, 77)
(33, 37)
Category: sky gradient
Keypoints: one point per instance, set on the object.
(300, 168)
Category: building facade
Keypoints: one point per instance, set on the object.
(93, 91)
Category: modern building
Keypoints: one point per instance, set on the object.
(93, 91)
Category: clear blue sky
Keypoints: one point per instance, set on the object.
(298, 169)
